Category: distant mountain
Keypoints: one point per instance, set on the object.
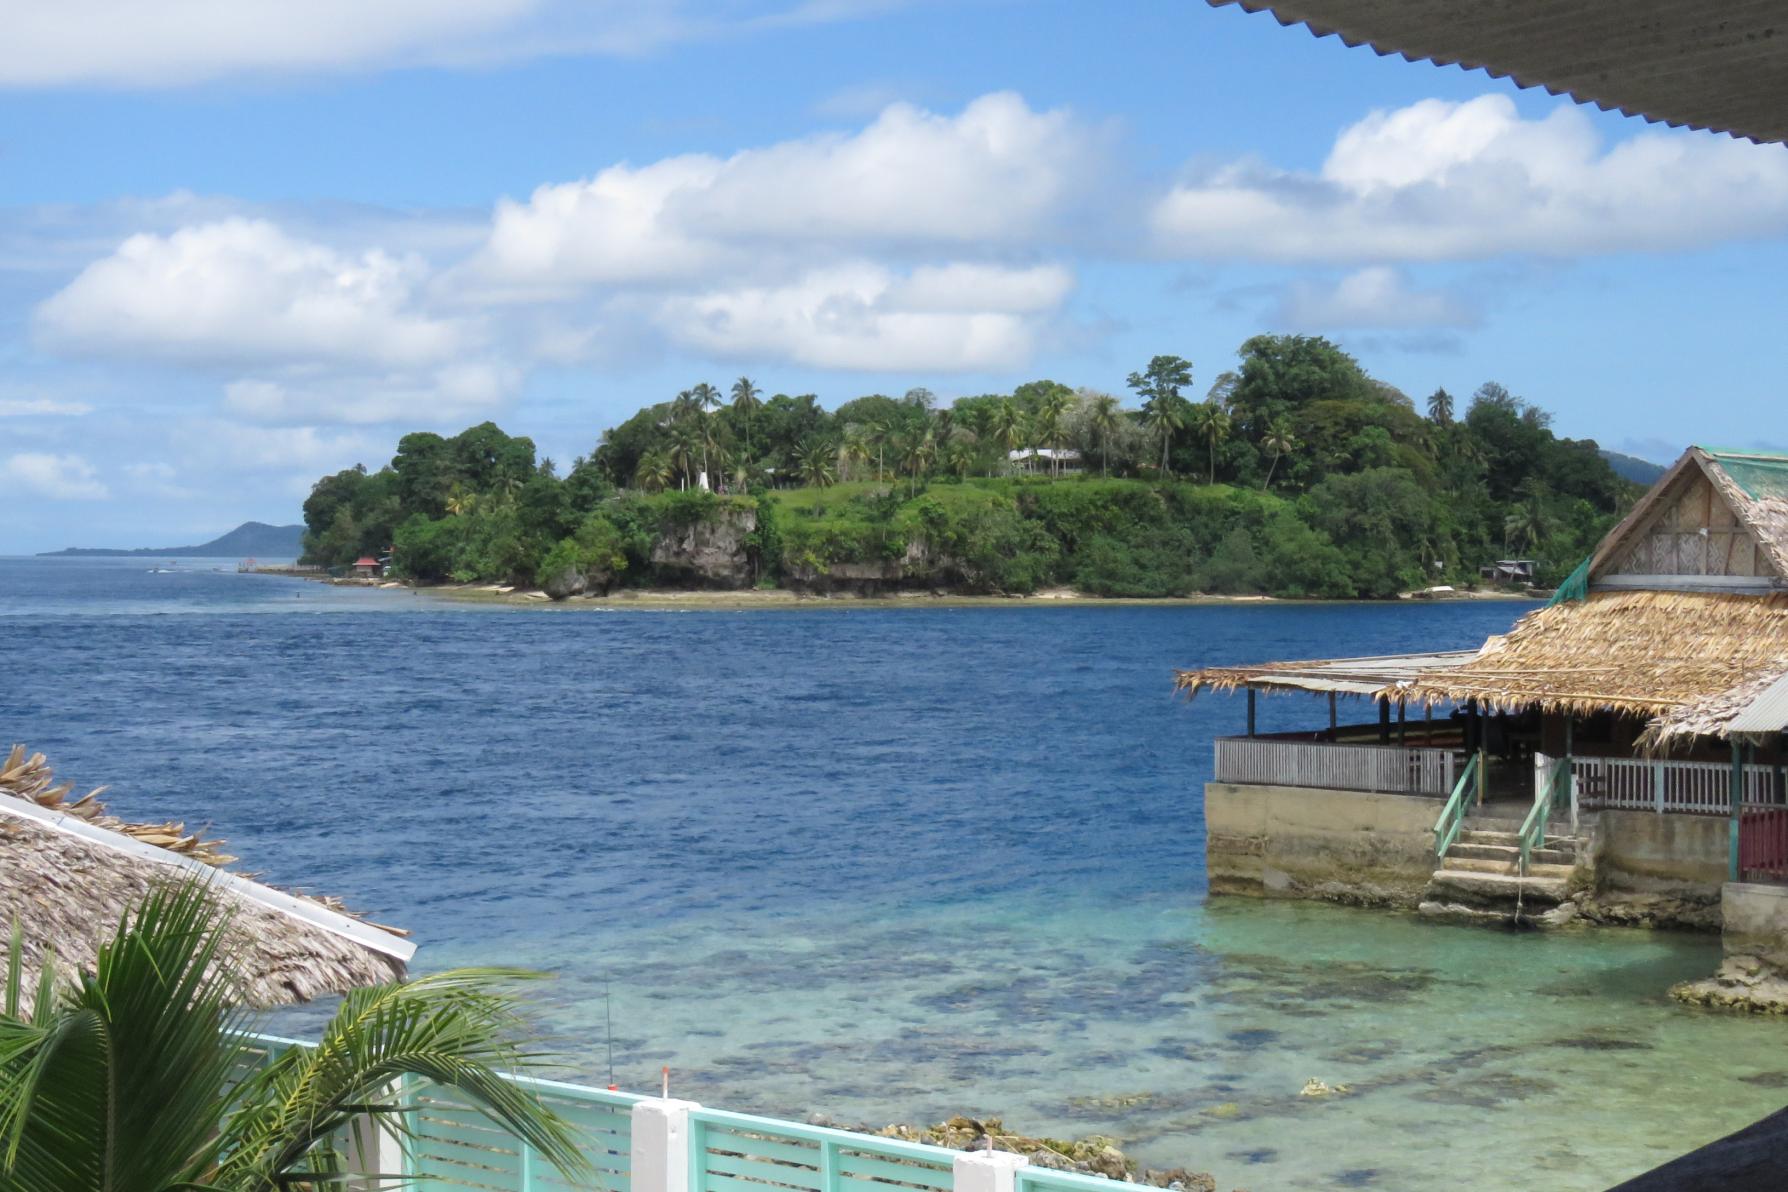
(1631, 467)
(246, 540)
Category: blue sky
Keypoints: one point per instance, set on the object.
(242, 244)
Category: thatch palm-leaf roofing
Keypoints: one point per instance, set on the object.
(1679, 617)
(1722, 67)
(70, 872)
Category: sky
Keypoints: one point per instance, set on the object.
(244, 243)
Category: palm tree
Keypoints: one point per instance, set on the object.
(745, 400)
(654, 471)
(1277, 440)
(881, 431)
(814, 456)
(1527, 524)
(1102, 419)
(1006, 424)
(857, 448)
(1210, 422)
(1440, 407)
(916, 455)
(460, 501)
(131, 1076)
(1165, 415)
(684, 443)
(1052, 420)
(959, 453)
(704, 398)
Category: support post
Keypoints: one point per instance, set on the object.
(1402, 722)
(1384, 721)
(1428, 725)
(1251, 711)
(1657, 785)
(662, 1157)
(375, 1149)
(1332, 725)
(1483, 765)
(986, 1171)
(1738, 792)
(1570, 767)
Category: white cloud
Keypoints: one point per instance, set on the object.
(184, 41)
(242, 290)
(28, 407)
(460, 390)
(953, 318)
(227, 446)
(996, 173)
(59, 477)
(1376, 296)
(1451, 181)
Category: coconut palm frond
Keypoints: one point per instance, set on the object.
(456, 1029)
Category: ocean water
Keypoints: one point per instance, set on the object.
(882, 864)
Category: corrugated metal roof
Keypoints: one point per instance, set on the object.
(1718, 66)
(1344, 676)
(1767, 713)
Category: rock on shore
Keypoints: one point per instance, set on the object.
(1743, 983)
(1093, 1155)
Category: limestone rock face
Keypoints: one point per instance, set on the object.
(566, 584)
(709, 553)
(1743, 983)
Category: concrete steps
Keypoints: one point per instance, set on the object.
(1480, 875)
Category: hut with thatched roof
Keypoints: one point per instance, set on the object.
(1620, 747)
(70, 872)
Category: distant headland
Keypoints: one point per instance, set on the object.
(249, 538)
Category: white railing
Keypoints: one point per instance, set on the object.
(1388, 769)
(1645, 784)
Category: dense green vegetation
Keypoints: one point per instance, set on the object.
(1298, 474)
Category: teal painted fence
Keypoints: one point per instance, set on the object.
(453, 1145)
(682, 1148)
(735, 1152)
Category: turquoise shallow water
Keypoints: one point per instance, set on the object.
(880, 864)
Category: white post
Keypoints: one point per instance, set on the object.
(374, 1149)
(1571, 781)
(986, 1171)
(1542, 773)
(661, 1145)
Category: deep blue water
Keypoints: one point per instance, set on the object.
(883, 863)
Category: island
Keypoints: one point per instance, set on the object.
(250, 539)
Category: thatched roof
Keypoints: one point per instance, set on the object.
(69, 872)
(1690, 663)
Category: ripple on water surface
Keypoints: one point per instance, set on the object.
(885, 864)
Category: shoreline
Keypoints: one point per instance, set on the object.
(735, 600)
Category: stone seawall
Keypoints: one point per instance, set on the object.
(1334, 846)
(1656, 870)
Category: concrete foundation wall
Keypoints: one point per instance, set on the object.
(1647, 853)
(1301, 842)
(1755, 919)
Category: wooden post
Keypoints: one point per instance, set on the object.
(1250, 711)
(1402, 721)
(1737, 785)
(1384, 721)
(1332, 728)
(1570, 771)
(1428, 725)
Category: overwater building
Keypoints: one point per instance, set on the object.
(1618, 756)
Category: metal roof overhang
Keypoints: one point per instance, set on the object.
(1716, 66)
(1764, 715)
(1351, 676)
